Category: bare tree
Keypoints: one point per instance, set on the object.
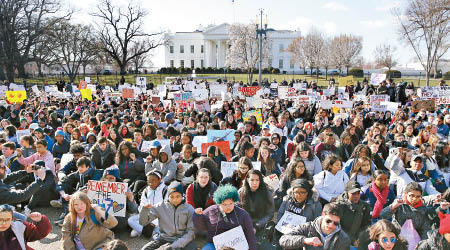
(345, 50)
(139, 61)
(384, 56)
(424, 25)
(312, 46)
(442, 50)
(325, 56)
(73, 45)
(120, 28)
(295, 49)
(22, 22)
(243, 51)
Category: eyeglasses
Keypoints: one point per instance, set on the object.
(336, 223)
(301, 193)
(5, 221)
(386, 240)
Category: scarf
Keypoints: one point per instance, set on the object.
(381, 199)
(201, 195)
(419, 204)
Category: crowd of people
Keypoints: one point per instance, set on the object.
(347, 178)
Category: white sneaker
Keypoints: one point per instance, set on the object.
(26, 211)
(134, 233)
(56, 203)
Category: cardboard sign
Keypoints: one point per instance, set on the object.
(200, 94)
(273, 181)
(443, 100)
(248, 91)
(303, 99)
(141, 81)
(289, 221)
(197, 142)
(346, 81)
(233, 238)
(427, 93)
(20, 133)
(202, 106)
(227, 168)
(128, 93)
(224, 147)
(221, 135)
(16, 96)
(257, 113)
(417, 105)
(110, 194)
(86, 94)
(376, 79)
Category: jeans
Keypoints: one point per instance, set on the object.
(209, 246)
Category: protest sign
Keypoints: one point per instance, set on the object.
(417, 105)
(283, 92)
(189, 85)
(233, 238)
(87, 79)
(200, 95)
(326, 104)
(202, 106)
(443, 100)
(343, 104)
(224, 147)
(3, 89)
(221, 135)
(254, 102)
(274, 85)
(16, 96)
(227, 168)
(328, 92)
(376, 79)
(427, 93)
(110, 194)
(145, 147)
(20, 133)
(256, 165)
(35, 90)
(141, 81)
(273, 181)
(16, 87)
(303, 100)
(86, 94)
(197, 142)
(248, 91)
(183, 96)
(128, 93)
(216, 90)
(379, 98)
(257, 113)
(289, 221)
(409, 92)
(346, 81)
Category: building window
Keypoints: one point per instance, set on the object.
(280, 64)
(192, 64)
(201, 63)
(182, 63)
(281, 47)
(201, 49)
(192, 49)
(292, 65)
(171, 49)
(181, 48)
(270, 63)
(172, 63)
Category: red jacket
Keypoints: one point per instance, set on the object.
(190, 195)
(25, 232)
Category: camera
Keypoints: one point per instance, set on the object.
(400, 144)
(35, 167)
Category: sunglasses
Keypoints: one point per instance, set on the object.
(386, 240)
(334, 222)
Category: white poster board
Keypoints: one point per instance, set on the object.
(227, 168)
(234, 238)
(197, 142)
(141, 81)
(256, 165)
(20, 133)
(146, 146)
(289, 221)
(376, 79)
(110, 194)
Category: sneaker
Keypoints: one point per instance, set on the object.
(56, 203)
(134, 233)
(60, 218)
(26, 211)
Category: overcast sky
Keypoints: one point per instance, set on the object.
(371, 19)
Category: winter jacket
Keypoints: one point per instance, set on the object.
(310, 210)
(268, 206)
(336, 240)
(330, 186)
(59, 149)
(102, 160)
(76, 181)
(175, 223)
(404, 212)
(314, 166)
(92, 236)
(131, 170)
(50, 142)
(355, 217)
(344, 152)
(212, 221)
(168, 169)
(368, 196)
(47, 158)
(153, 197)
(22, 232)
(9, 196)
(435, 241)
(190, 195)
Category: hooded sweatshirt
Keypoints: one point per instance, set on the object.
(168, 168)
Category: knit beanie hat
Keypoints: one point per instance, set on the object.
(113, 170)
(175, 187)
(444, 228)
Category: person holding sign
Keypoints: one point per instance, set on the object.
(322, 233)
(174, 219)
(238, 177)
(87, 226)
(224, 216)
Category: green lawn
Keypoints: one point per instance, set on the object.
(158, 78)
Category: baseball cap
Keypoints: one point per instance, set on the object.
(352, 186)
(265, 126)
(415, 157)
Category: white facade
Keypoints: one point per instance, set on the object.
(208, 48)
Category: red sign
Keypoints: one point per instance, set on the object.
(224, 147)
(248, 91)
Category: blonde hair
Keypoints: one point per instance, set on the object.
(73, 214)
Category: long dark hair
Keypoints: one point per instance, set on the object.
(289, 174)
(119, 157)
(303, 146)
(441, 158)
(262, 193)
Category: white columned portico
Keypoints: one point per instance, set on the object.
(219, 56)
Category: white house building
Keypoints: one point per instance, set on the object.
(207, 47)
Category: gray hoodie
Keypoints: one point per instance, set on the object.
(168, 169)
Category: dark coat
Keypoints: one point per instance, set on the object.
(108, 155)
(8, 196)
(435, 241)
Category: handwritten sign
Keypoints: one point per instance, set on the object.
(257, 113)
(197, 142)
(376, 79)
(127, 93)
(234, 238)
(146, 146)
(227, 168)
(273, 181)
(248, 91)
(379, 98)
(346, 81)
(417, 105)
(16, 96)
(110, 194)
(224, 147)
(289, 221)
(141, 81)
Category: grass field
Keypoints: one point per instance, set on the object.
(158, 78)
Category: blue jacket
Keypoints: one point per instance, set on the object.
(50, 143)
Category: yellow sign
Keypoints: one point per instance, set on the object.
(346, 81)
(86, 94)
(16, 96)
(257, 113)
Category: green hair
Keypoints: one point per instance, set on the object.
(226, 192)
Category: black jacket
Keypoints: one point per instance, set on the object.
(8, 196)
(108, 156)
(76, 181)
(355, 217)
(435, 241)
